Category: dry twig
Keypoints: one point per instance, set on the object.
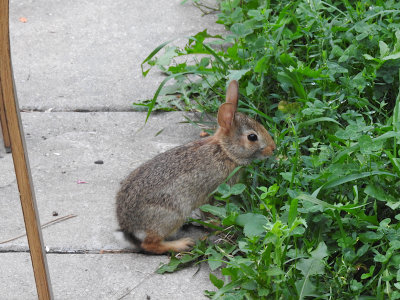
(61, 219)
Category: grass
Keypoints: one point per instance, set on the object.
(323, 220)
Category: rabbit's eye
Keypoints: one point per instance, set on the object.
(252, 137)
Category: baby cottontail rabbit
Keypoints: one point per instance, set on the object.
(156, 198)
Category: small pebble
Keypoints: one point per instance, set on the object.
(99, 162)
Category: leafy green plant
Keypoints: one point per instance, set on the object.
(322, 219)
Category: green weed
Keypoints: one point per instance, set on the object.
(323, 219)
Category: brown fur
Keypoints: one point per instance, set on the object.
(157, 197)
(156, 244)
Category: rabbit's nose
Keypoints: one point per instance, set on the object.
(269, 150)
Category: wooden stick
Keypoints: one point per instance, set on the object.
(3, 124)
(20, 158)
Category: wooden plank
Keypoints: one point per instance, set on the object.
(3, 125)
(21, 163)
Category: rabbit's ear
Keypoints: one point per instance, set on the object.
(226, 114)
(232, 93)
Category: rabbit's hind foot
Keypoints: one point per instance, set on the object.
(156, 244)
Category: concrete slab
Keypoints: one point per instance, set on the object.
(63, 148)
(86, 54)
(97, 277)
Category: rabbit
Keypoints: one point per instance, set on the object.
(156, 198)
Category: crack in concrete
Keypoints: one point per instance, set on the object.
(82, 110)
(136, 286)
(62, 250)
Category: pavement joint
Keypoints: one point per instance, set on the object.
(81, 110)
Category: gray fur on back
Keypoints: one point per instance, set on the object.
(159, 195)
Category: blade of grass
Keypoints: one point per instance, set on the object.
(322, 119)
(356, 146)
(315, 200)
(217, 57)
(396, 119)
(157, 93)
(151, 55)
(258, 112)
(292, 211)
(230, 286)
(395, 162)
(351, 209)
(340, 224)
(205, 224)
(352, 177)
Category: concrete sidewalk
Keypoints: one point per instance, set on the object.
(86, 55)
